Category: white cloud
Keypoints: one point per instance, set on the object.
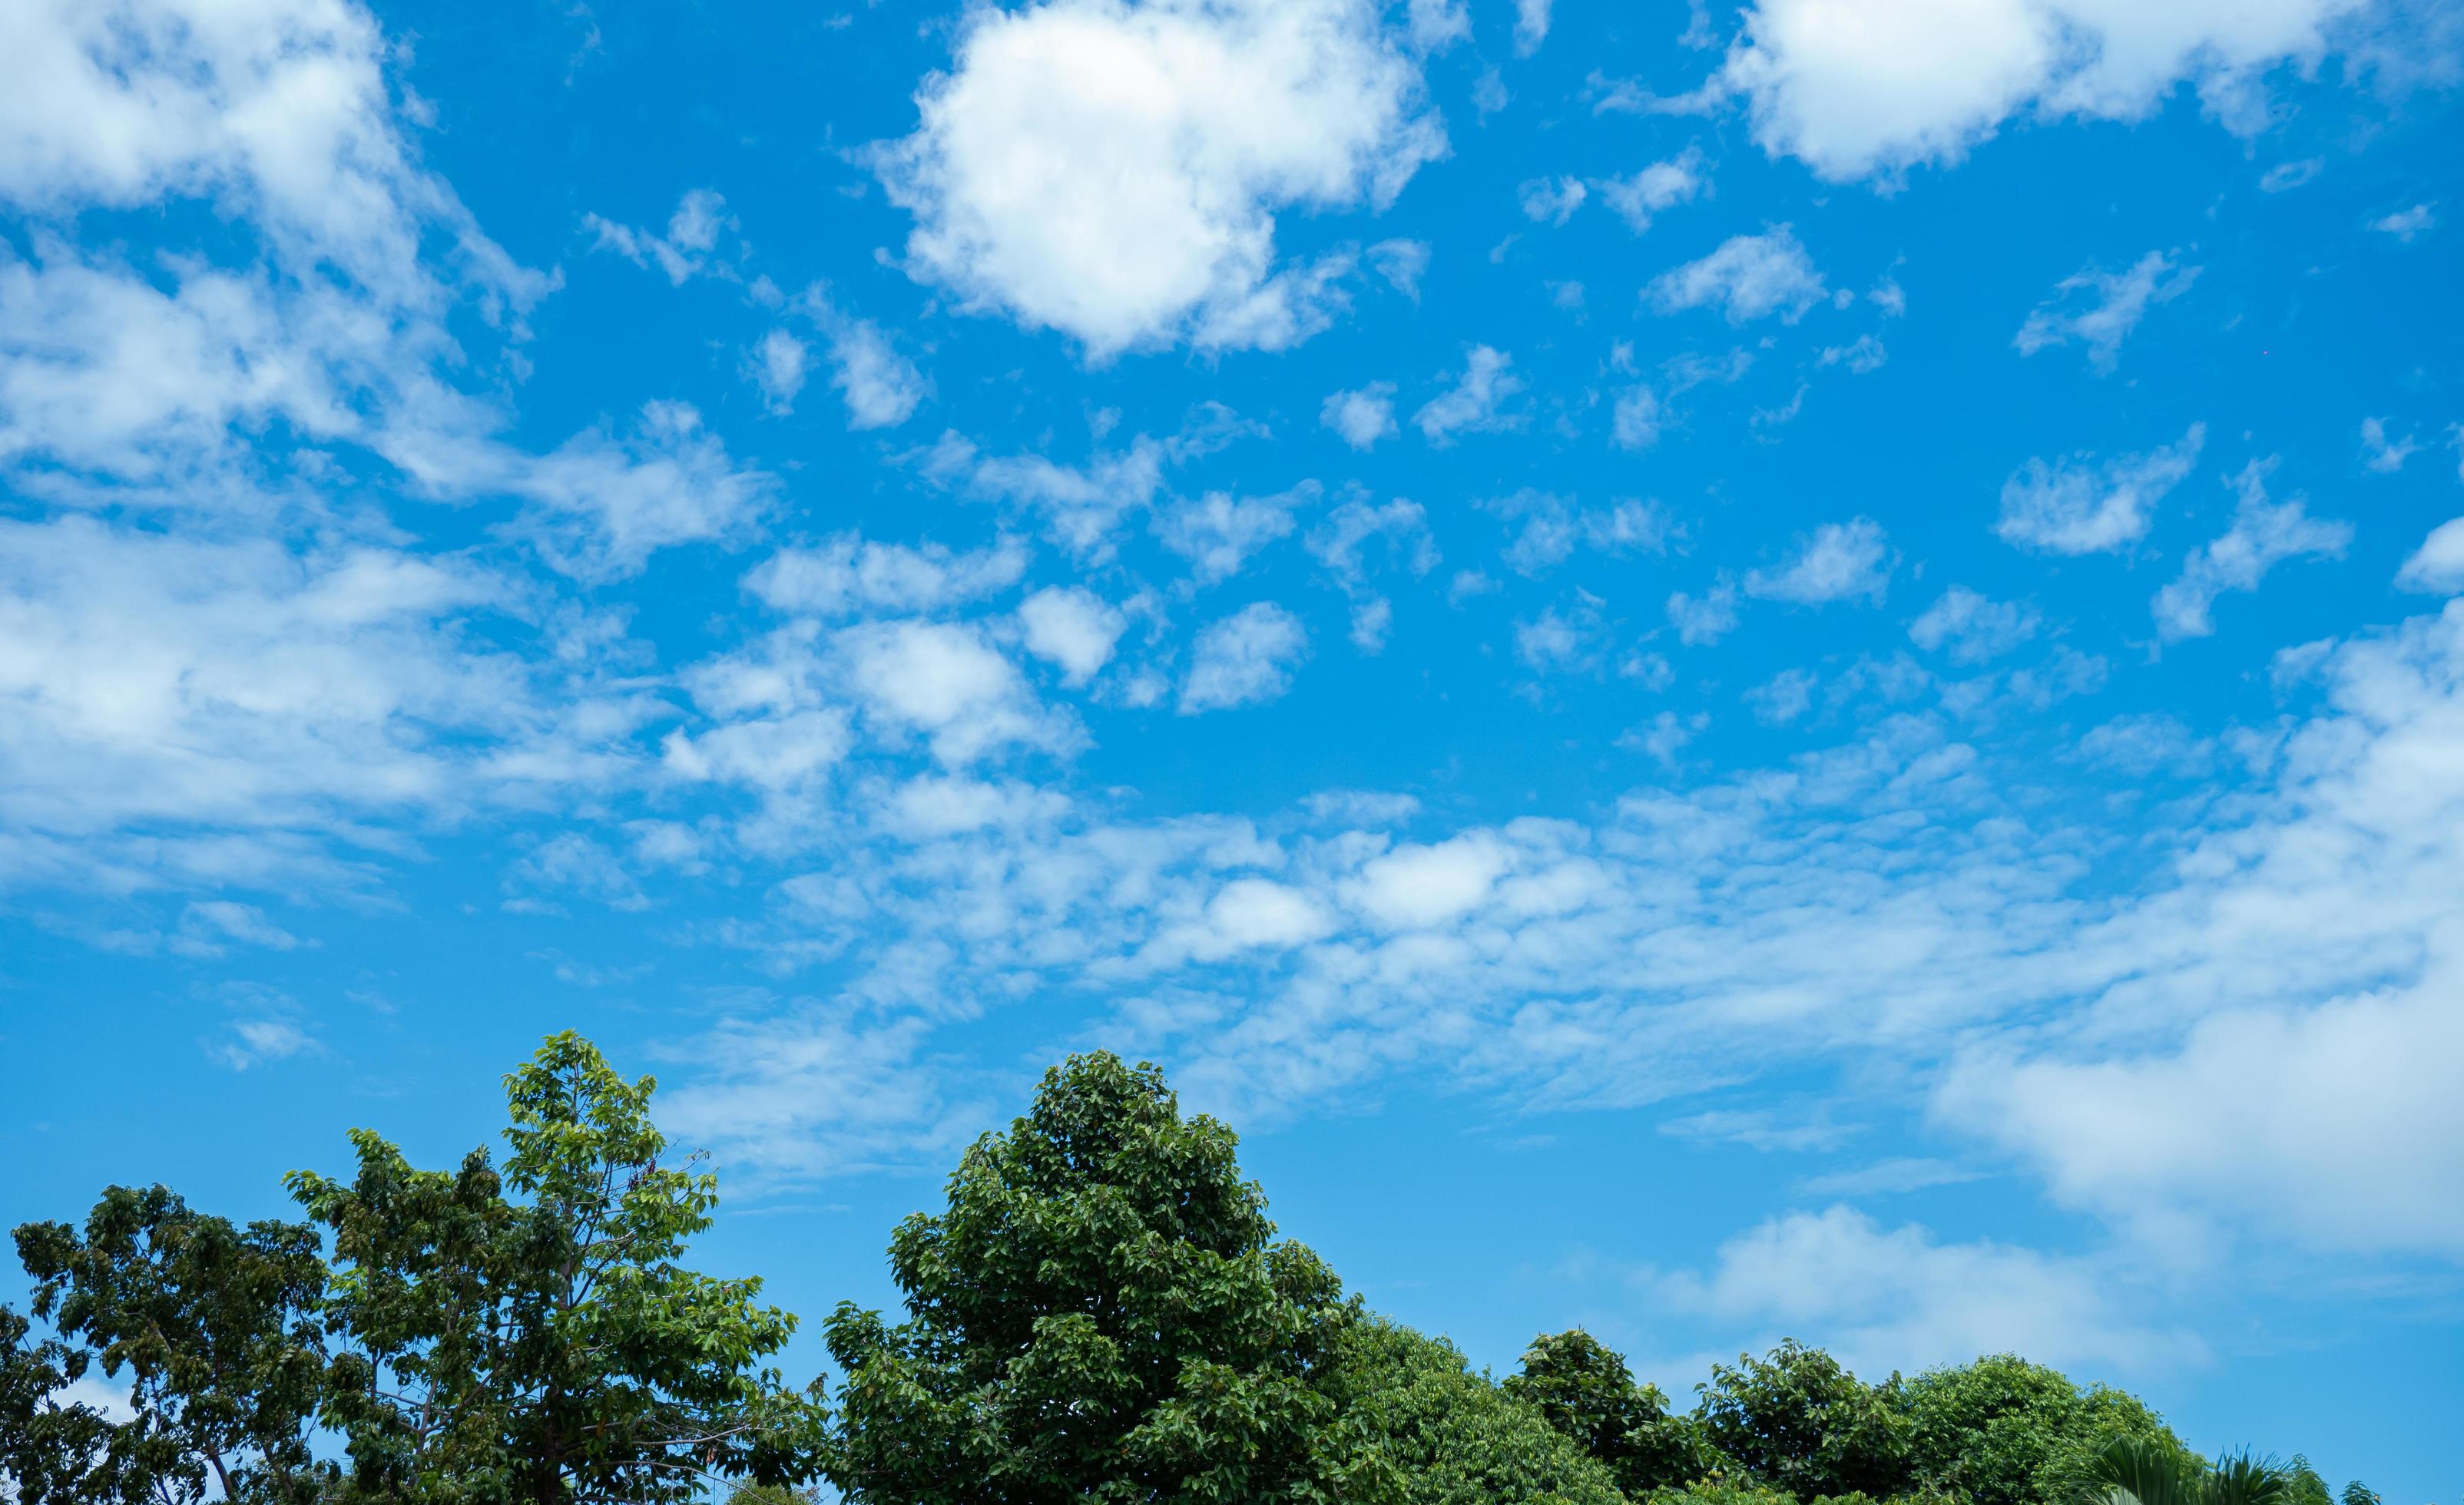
(1553, 528)
(2382, 453)
(2263, 534)
(1748, 277)
(277, 111)
(1416, 887)
(1362, 417)
(881, 387)
(777, 367)
(1219, 532)
(1703, 619)
(1837, 562)
(208, 927)
(1475, 402)
(160, 680)
(1783, 697)
(848, 575)
(2100, 309)
(1973, 627)
(605, 503)
(2437, 566)
(1341, 544)
(1661, 186)
(1900, 1299)
(2077, 505)
(1438, 24)
(2405, 224)
(1859, 87)
(693, 233)
(1072, 627)
(779, 755)
(807, 1090)
(1636, 419)
(1551, 201)
(1245, 659)
(945, 679)
(1530, 25)
(1112, 171)
(1081, 506)
(263, 1040)
(1865, 355)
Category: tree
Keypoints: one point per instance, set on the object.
(2004, 1432)
(532, 1336)
(1102, 1313)
(2130, 1471)
(1585, 1391)
(1416, 1427)
(51, 1450)
(1802, 1423)
(217, 1327)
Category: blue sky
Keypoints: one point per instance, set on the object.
(1726, 672)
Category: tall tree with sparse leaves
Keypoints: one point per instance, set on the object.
(531, 1335)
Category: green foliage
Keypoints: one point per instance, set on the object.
(547, 1345)
(2003, 1431)
(217, 1330)
(2356, 1493)
(1799, 1423)
(49, 1450)
(1102, 1314)
(1416, 1427)
(2130, 1471)
(1719, 1488)
(1585, 1391)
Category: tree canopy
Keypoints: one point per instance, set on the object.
(1100, 1310)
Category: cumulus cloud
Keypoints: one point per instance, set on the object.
(1748, 277)
(1899, 1299)
(1661, 186)
(2382, 453)
(1219, 532)
(1703, 619)
(2100, 309)
(1072, 627)
(1530, 25)
(2437, 566)
(2078, 505)
(1245, 659)
(1856, 88)
(684, 252)
(2405, 224)
(848, 574)
(778, 366)
(948, 682)
(1476, 402)
(2263, 534)
(1837, 562)
(1362, 417)
(1113, 171)
(1551, 201)
(1972, 628)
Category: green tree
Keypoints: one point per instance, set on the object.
(2004, 1432)
(532, 1336)
(1585, 1391)
(1416, 1427)
(51, 1450)
(2131, 1471)
(1799, 1423)
(1102, 1313)
(217, 1328)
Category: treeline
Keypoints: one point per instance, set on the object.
(1101, 1312)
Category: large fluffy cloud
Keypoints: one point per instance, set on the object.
(1854, 87)
(1112, 171)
